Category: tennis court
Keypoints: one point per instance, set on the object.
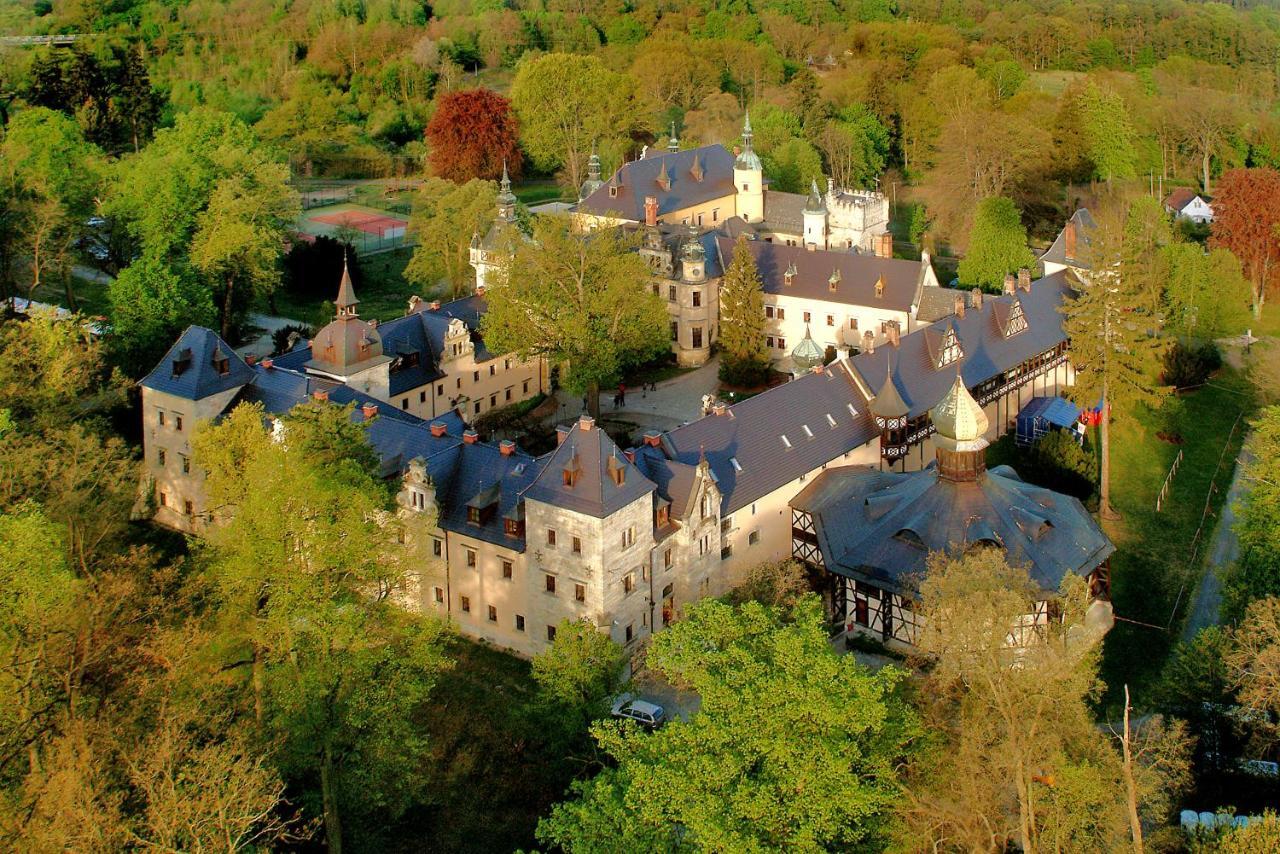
(367, 228)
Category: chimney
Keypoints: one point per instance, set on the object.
(320, 394)
(812, 247)
(268, 363)
(1024, 279)
(1069, 239)
(650, 210)
(438, 429)
(630, 454)
(719, 408)
(562, 433)
(1009, 283)
(470, 437)
(414, 301)
(507, 447)
(652, 438)
(370, 410)
(959, 308)
(884, 245)
(435, 305)
(251, 360)
(893, 331)
(975, 297)
(585, 423)
(373, 322)
(868, 342)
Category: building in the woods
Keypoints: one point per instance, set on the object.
(873, 529)
(1186, 203)
(625, 538)
(1070, 249)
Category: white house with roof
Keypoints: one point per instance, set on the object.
(1186, 203)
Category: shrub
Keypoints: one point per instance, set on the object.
(1189, 364)
(744, 374)
(280, 342)
(314, 269)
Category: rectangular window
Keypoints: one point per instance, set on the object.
(697, 299)
(782, 344)
(782, 313)
(471, 558)
(630, 631)
(577, 545)
(526, 386)
(551, 633)
(508, 394)
(715, 214)
(506, 364)
(475, 376)
(422, 397)
(177, 423)
(493, 614)
(768, 311)
(629, 537)
(437, 547)
(725, 552)
(186, 465)
(551, 536)
(671, 293)
(160, 413)
(493, 401)
(493, 370)
(188, 508)
(667, 559)
(831, 320)
(768, 341)
(551, 583)
(519, 622)
(466, 604)
(628, 582)
(164, 499)
(459, 382)
(580, 592)
(160, 456)
(507, 569)
(439, 591)
(697, 336)
(477, 407)
(675, 331)
(440, 390)
(699, 219)
(806, 317)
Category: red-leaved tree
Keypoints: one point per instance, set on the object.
(1246, 215)
(471, 134)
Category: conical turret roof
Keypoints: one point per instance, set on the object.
(888, 403)
(807, 353)
(748, 159)
(814, 203)
(346, 301)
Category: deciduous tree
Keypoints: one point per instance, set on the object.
(473, 134)
(1256, 575)
(997, 245)
(579, 299)
(446, 218)
(1108, 133)
(1246, 213)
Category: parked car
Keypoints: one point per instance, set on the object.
(648, 715)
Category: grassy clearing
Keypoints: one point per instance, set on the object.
(1153, 559)
(383, 294)
(91, 297)
(536, 192)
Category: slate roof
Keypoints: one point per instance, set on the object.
(986, 351)
(639, 178)
(784, 212)
(858, 274)
(595, 492)
(673, 237)
(674, 480)
(478, 473)
(937, 303)
(1057, 251)
(882, 525)
(188, 370)
(751, 433)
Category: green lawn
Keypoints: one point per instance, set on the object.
(536, 192)
(1152, 563)
(91, 297)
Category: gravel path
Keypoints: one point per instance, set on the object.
(1225, 549)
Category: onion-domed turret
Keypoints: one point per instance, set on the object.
(807, 353)
(961, 427)
(747, 158)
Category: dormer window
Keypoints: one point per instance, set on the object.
(613, 191)
(834, 281)
(880, 288)
(571, 472)
(664, 516)
(1017, 321)
(790, 275)
(617, 471)
(182, 361)
(222, 366)
(949, 353)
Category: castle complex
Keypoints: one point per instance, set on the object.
(627, 537)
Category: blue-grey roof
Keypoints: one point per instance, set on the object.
(882, 524)
(987, 351)
(752, 433)
(594, 493)
(188, 370)
(1057, 252)
(1055, 410)
(674, 480)
(472, 472)
(639, 178)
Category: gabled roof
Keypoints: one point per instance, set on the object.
(751, 434)
(188, 370)
(937, 303)
(857, 274)
(639, 178)
(1057, 252)
(674, 480)
(587, 450)
(987, 352)
(1183, 196)
(882, 525)
(480, 472)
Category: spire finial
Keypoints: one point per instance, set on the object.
(346, 301)
(746, 124)
(506, 179)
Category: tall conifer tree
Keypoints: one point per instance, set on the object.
(744, 359)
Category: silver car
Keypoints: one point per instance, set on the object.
(648, 715)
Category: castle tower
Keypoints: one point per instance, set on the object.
(673, 142)
(506, 199)
(748, 178)
(693, 258)
(961, 427)
(593, 181)
(815, 219)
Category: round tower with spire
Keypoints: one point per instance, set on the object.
(748, 178)
(693, 258)
(815, 218)
(349, 347)
(890, 412)
(593, 181)
(960, 439)
(506, 198)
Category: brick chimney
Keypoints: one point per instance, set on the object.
(630, 454)
(868, 342)
(470, 437)
(1024, 279)
(479, 290)
(268, 364)
(320, 394)
(1069, 239)
(1009, 283)
(652, 438)
(650, 210)
(975, 297)
(414, 300)
(893, 331)
(719, 408)
(959, 307)
(507, 447)
(585, 423)
(251, 360)
(438, 429)
(370, 411)
(435, 305)
(883, 245)
(562, 433)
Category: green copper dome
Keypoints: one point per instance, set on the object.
(807, 353)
